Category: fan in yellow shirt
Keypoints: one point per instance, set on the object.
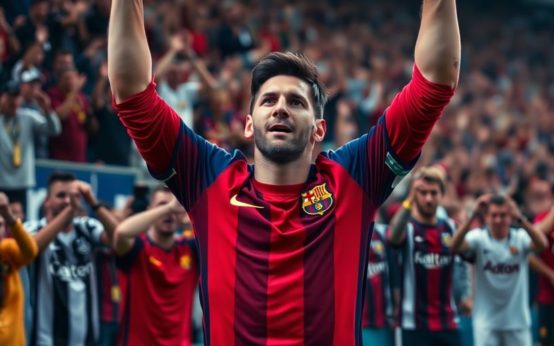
(15, 252)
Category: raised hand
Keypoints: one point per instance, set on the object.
(84, 189)
(43, 100)
(515, 212)
(481, 205)
(5, 210)
(176, 206)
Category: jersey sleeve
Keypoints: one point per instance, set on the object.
(22, 248)
(474, 239)
(94, 229)
(379, 159)
(524, 241)
(173, 152)
(413, 113)
(126, 261)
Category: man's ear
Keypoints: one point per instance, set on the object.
(249, 127)
(320, 129)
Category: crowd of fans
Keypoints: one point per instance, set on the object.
(496, 136)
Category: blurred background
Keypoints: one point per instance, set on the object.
(496, 135)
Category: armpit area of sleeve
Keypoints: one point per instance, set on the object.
(131, 102)
(152, 124)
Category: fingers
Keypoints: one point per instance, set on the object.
(4, 199)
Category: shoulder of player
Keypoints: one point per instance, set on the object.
(86, 222)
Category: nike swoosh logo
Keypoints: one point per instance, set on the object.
(237, 203)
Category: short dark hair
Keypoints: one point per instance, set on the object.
(290, 64)
(498, 199)
(64, 177)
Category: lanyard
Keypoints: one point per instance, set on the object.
(13, 129)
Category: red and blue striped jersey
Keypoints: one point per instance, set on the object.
(427, 277)
(378, 306)
(157, 292)
(284, 264)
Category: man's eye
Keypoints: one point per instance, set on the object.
(296, 103)
(268, 100)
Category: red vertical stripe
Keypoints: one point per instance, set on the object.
(319, 287)
(433, 280)
(252, 267)
(347, 245)
(379, 301)
(285, 302)
(221, 274)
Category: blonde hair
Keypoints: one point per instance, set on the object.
(432, 174)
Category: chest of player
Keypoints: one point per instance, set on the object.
(502, 256)
(430, 247)
(167, 268)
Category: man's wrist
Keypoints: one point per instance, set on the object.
(407, 204)
(97, 205)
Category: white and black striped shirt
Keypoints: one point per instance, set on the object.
(64, 296)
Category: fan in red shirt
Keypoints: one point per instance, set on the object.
(158, 275)
(283, 243)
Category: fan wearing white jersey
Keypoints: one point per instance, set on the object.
(501, 311)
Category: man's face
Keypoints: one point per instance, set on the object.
(64, 62)
(59, 196)
(9, 103)
(167, 225)
(498, 217)
(427, 197)
(68, 80)
(282, 122)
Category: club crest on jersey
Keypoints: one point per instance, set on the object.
(446, 239)
(188, 234)
(317, 200)
(185, 262)
(377, 247)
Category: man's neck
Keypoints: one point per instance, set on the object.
(422, 218)
(499, 235)
(291, 173)
(164, 241)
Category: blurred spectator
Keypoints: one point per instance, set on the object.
(17, 249)
(64, 296)
(9, 44)
(501, 312)
(173, 73)
(17, 128)
(429, 314)
(73, 108)
(29, 28)
(158, 272)
(111, 145)
(31, 92)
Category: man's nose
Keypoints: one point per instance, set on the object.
(281, 109)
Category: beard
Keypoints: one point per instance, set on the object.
(285, 152)
(427, 211)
